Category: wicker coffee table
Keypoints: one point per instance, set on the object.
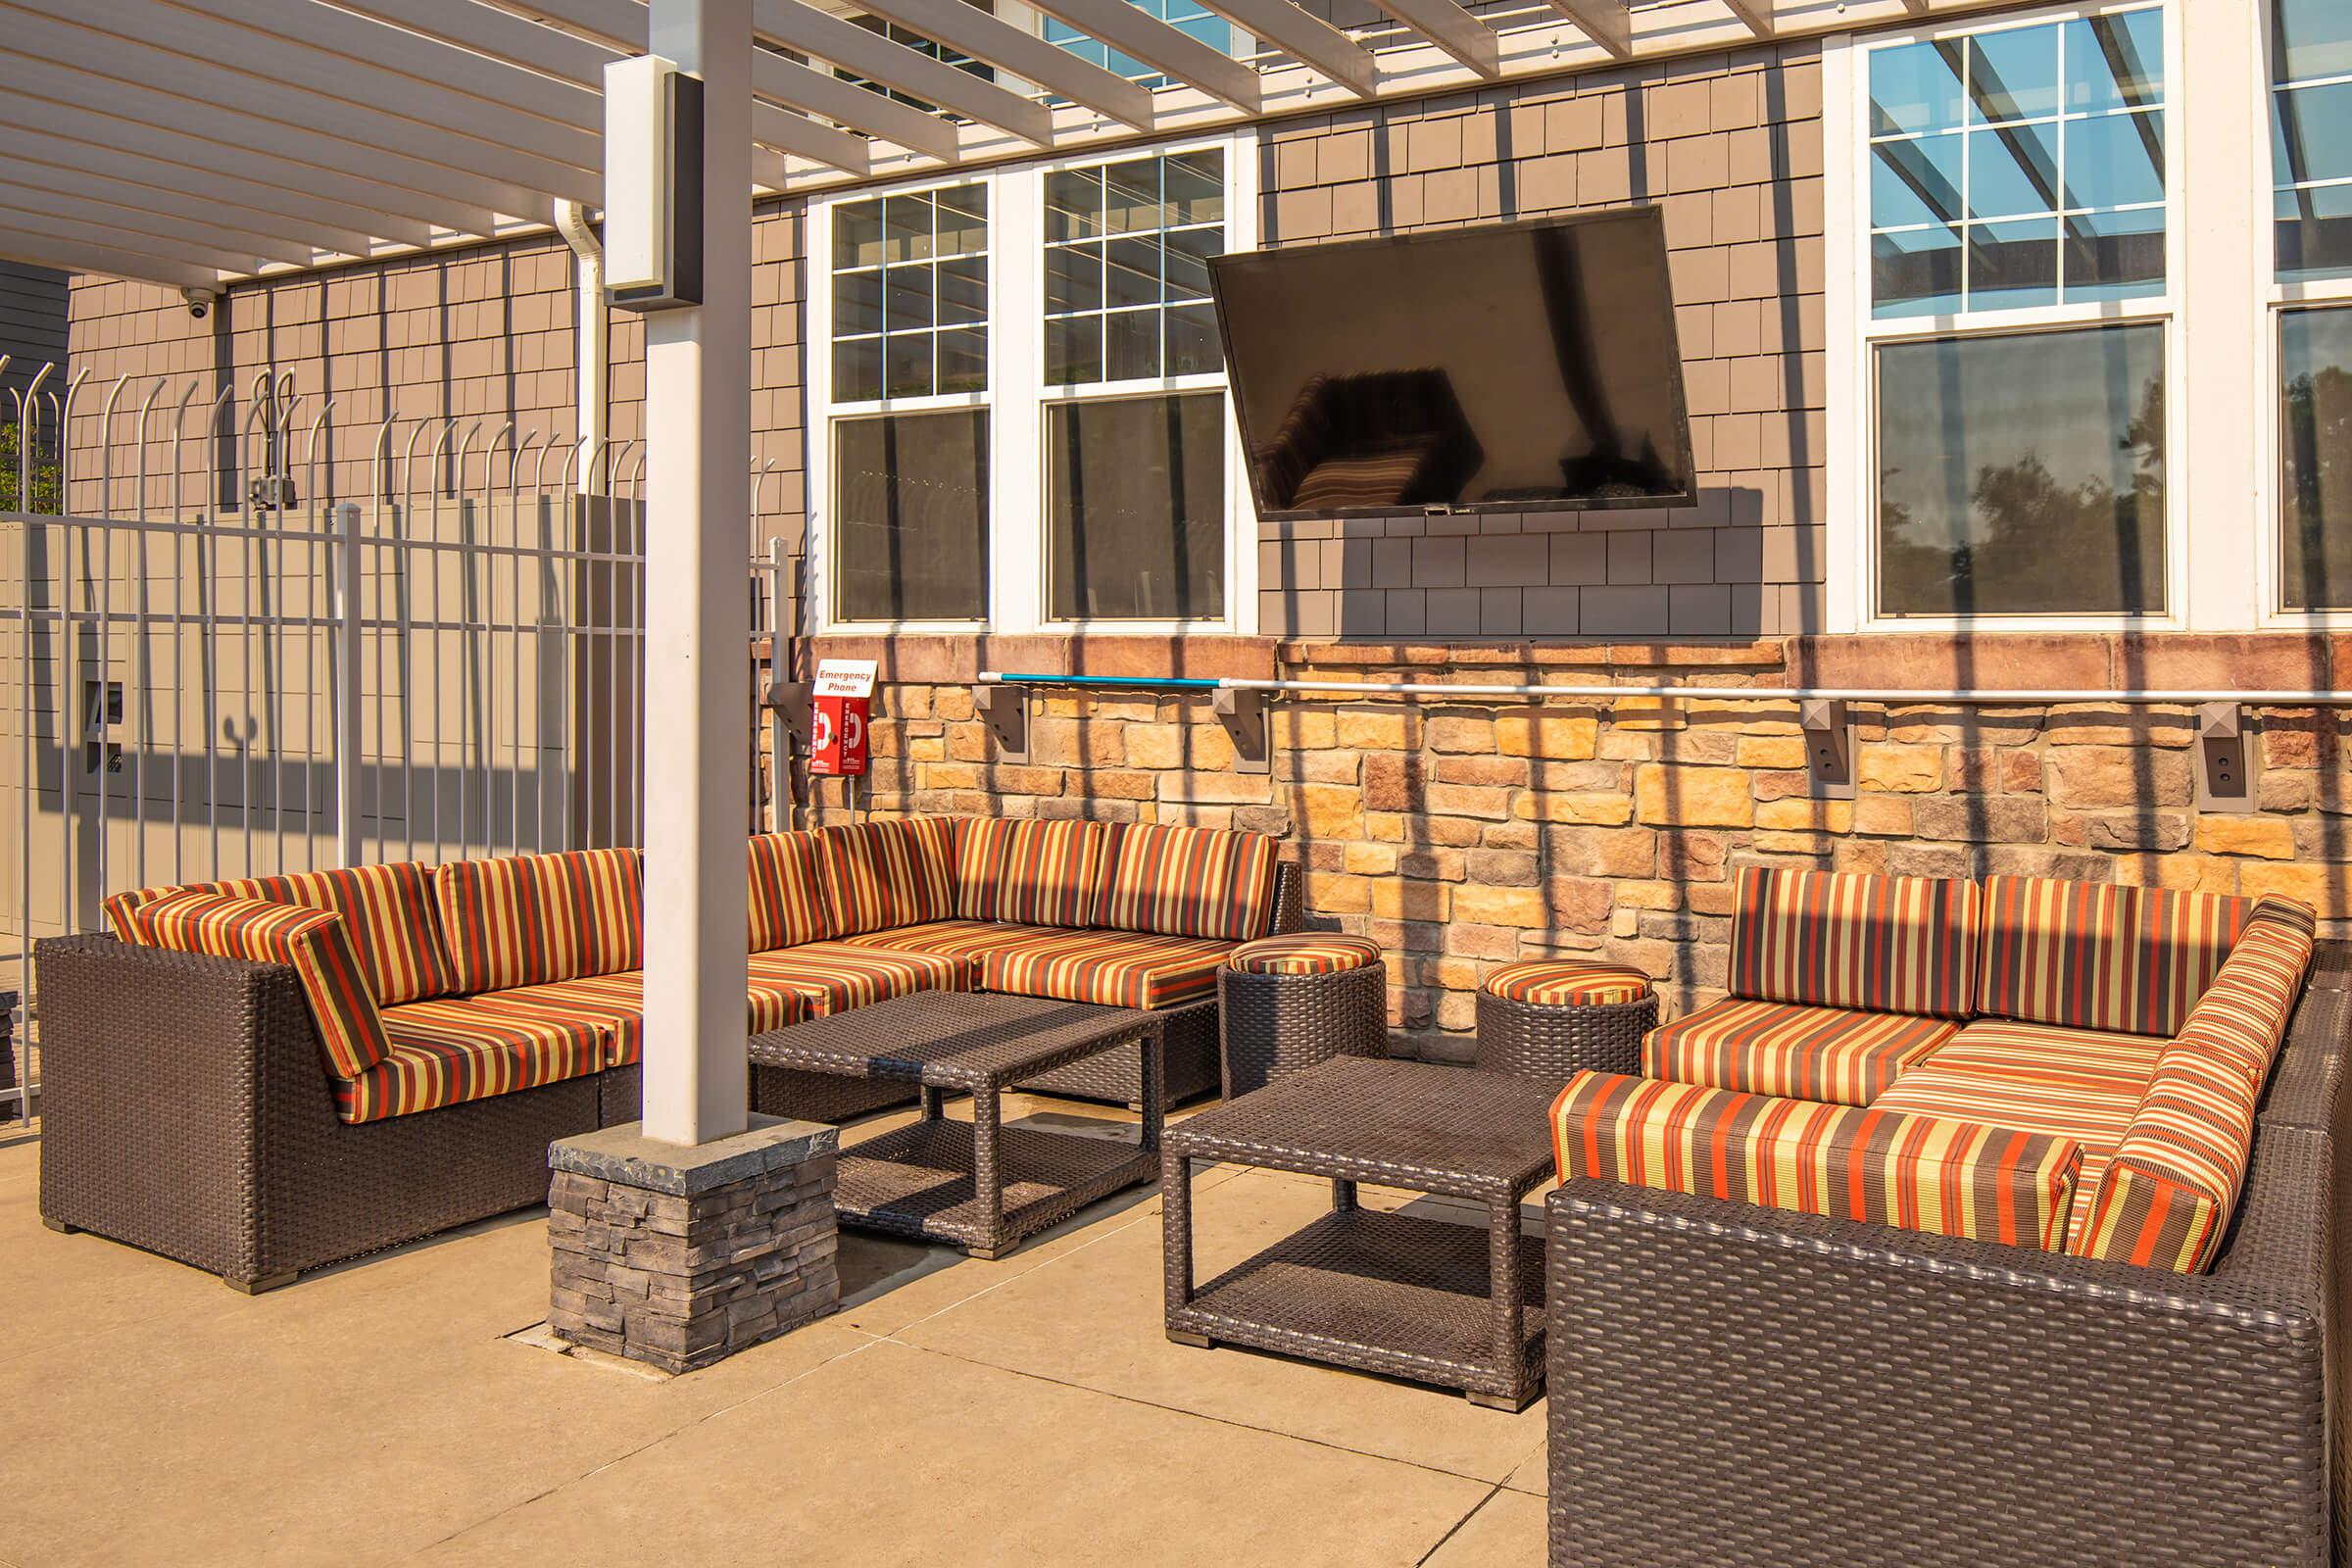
(982, 1186)
(1388, 1293)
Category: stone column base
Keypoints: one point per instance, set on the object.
(679, 1258)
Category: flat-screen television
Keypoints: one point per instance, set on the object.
(1506, 368)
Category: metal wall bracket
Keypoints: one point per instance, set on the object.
(1244, 715)
(2229, 762)
(1829, 748)
(1005, 711)
(789, 701)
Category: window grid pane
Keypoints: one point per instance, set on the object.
(2018, 167)
(2315, 459)
(1127, 247)
(910, 295)
(2311, 136)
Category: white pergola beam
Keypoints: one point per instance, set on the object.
(820, 92)
(797, 134)
(1309, 40)
(34, 158)
(1754, 15)
(227, 259)
(40, 248)
(808, 30)
(514, 181)
(1451, 28)
(1607, 22)
(1026, 55)
(1140, 35)
(139, 219)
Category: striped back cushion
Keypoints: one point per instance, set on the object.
(117, 909)
(2096, 956)
(887, 872)
(788, 905)
(388, 910)
(1187, 882)
(315, 943)
(2174, 1179)
(1831, 939)
(527, 919)
(1030, 873)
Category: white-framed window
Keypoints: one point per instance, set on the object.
(1017, 411)
(2307, 330)
(2005, 300)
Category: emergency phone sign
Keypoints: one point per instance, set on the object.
(837, 717)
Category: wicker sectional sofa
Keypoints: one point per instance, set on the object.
(263, 1076)
(1981, 1222)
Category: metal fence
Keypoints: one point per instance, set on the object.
(238, 638)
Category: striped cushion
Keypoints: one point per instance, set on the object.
(1032, 873)
(314, 942)
(788, 905)
(1881, 944)
(613, 1003)
(1567, 983)
(1303, 952)
(116, 909)
(2101, 958)
(830, 977)
(1777, 1047)
(1923, 1173)
(532, 918)
(389, 912)
(1187, 882)
(2079, 1084)
(1115, 968)
(892, 871)
(455, 1049)
(2174, 1179)
(966, 941)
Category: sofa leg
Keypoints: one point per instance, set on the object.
(61, 1227)
(268, 1281)
(1198, 1342)
(1496, 1401)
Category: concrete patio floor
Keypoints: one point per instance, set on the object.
(953, 1411)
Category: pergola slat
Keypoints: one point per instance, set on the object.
(1452, 29)
(1607, 22)
(1310, 39)
(820, 92)
(43, 249)
(74, 232)
(17, 197)
(36, 158)
(819, 34)
(515, 181)
(803, 137)
(1756, 15)
(348, 169)
(1027, 56)
(1140, 35)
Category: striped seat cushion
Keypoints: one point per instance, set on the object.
(1832, 939)
(388, 911)
(1937, 1174)
(1778, 1048)
(830, 977)
(1567, 983)
(2174, 1182)
(887, 872)
(2079, 1084)
(968, 942)
(315, 944)
(1303, 952)
(788, 903)
(1029, 873)
(530, 919)
(1115, 968)
(450, 1050)
(613, 1003)
(2096, 956)
(1187, 882)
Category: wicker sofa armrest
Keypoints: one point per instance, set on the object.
(1289, 898)
(165, 1075)
(1734, 1384)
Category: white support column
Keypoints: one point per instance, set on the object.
(698, 415)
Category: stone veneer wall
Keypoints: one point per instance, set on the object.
(1460, 835)
(1728, 146)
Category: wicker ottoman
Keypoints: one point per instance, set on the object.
(1556, 1017)
(1289, 1001)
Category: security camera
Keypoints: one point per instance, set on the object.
(199, 301)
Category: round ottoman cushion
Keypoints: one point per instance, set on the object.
(1567, 983)
(1303, 952)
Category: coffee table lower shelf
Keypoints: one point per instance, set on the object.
(918, 1181)
(1381, 1291)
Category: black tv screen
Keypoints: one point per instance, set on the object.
(1511, 366)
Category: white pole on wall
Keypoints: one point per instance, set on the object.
(698, 420)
